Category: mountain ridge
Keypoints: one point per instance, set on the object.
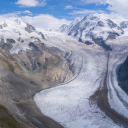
(94, 29)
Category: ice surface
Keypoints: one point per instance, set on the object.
(69, 104)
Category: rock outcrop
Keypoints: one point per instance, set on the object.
(122, 76)
(29, 28)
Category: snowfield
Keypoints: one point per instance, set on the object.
(70, 104)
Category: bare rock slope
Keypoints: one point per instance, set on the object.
(27, 66)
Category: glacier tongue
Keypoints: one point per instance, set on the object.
(70, 104)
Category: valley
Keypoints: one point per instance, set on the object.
(72, 77)
(93, 99)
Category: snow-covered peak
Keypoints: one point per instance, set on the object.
(18, 32)
(95, 28)
(76, 21)
(11, 24)
(67, 28)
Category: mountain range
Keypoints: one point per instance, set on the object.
(94, 29)
(72, 77)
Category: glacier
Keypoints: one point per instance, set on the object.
(71, 104)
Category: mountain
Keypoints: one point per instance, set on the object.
(27, 65)
(19, 33)
(67, 28)
(124, 24)
(23, 42)
(94, 29)
(50, 79)
(122, 75)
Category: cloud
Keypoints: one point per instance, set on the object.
(69, 7)
(15, 14)
(41, 20)
(94, 1)
(118, 6)
(85, 12)
(10, 15)
(28, 12)
(31, 3)
(117, 18)
(45, 21)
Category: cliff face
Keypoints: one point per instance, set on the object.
(122, 76)
(45, 65)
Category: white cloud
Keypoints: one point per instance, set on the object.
(94, 1)
(118, 6)
(31, 3)
(27, 12)
(16, 14)
(42, 20)
(10, 15)
(69, 7)
(45, 21)
(117, 18)
(85, 12)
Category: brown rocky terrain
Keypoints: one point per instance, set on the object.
(24, 74)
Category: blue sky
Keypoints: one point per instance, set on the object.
(58, 8)
(53, 13)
